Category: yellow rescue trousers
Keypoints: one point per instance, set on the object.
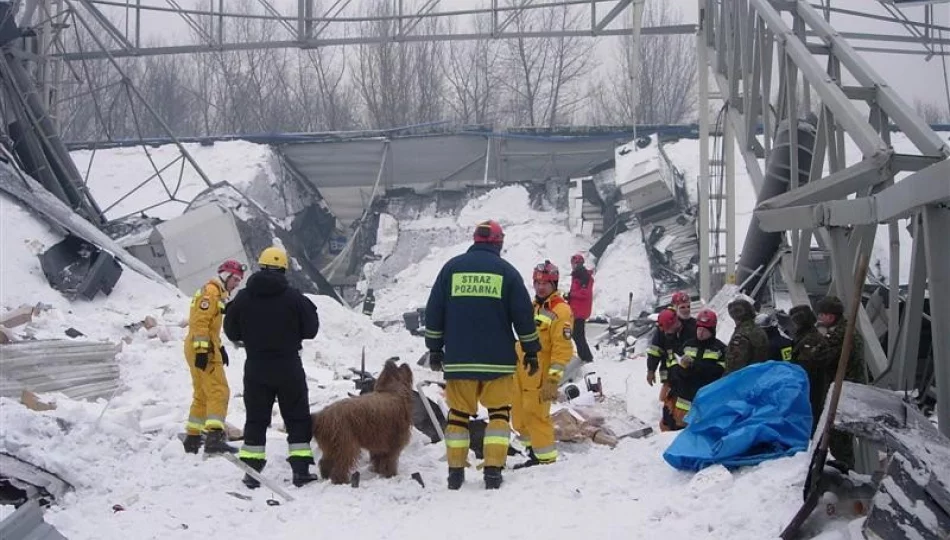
(463, 396)
(209, 401)
(532, 417)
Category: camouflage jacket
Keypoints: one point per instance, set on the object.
(807, 350)
(856, 370)
(749, 345)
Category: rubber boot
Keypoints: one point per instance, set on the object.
(257, 465)
(301, 468)
(530, 462)
(216, 442)
(493, 477)
(456, 477)
(192, 443)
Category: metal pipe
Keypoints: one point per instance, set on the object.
(702, 55)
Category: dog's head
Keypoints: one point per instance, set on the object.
(394, 378)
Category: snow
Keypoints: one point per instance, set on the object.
(624, 270)
(531, 236)
(125, 451)
(113, 173)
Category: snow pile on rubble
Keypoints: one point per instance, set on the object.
(624, 270)
(171, 185)
(531, 236)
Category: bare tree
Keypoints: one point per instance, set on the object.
(399, 83)
(473, 83)
(667, 77)
(931, 112)
(542, 75)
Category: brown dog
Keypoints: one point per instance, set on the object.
(380, 422)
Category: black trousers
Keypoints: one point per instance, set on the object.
(292, 397)
(580, 341)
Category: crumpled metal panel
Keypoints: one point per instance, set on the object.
(78, 369)
(27, 523)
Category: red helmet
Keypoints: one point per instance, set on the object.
(680, 297)
(577, 259)
(546, 271)
(666, 320)
(232, 267)
(707, 318)
(489, 232)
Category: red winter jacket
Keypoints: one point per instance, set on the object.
(582, 292)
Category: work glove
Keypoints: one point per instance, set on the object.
(549, 387)
(531, 363)
(224, 355)
(201, 360)
(435, 360)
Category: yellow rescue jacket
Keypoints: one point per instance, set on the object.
(204, 320)
(554, 322)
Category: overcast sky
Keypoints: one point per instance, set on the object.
(912, 76)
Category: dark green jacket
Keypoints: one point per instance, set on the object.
(749, 345)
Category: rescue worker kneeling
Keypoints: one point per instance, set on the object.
(531, 412)
(702, 362)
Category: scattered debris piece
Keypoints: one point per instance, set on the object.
(34, 403)
(73, 333)
(79, 369)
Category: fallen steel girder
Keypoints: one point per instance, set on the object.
(742, 40)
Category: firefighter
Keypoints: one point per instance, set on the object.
(475, 300)
(831, 317)
(749, 343)
(272, 318)
(580, 299)
(702, 362)
(665, 347)
(206, 359)
(681, 304)
(532, 407)
(780, 345)
(806, 353)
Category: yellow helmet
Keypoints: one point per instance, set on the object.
(273, 257)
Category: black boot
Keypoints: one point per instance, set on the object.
(530, 462)
(493, 477)
(257, 465)
(216, 442)
(192, 443)
(301, 468)
(456, 477)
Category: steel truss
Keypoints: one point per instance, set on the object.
(340, 25)
(744, 42)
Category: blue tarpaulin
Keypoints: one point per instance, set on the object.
(757, 413)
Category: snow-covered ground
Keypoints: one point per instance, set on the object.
(131, 457)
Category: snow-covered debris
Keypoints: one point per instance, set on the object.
(115, 172)
(623, 270)
(126, 452)
(531, 236)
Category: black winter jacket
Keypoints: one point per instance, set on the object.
(272, 319)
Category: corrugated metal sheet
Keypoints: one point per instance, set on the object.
(78, 369)
(344, 171)
(26, 523)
